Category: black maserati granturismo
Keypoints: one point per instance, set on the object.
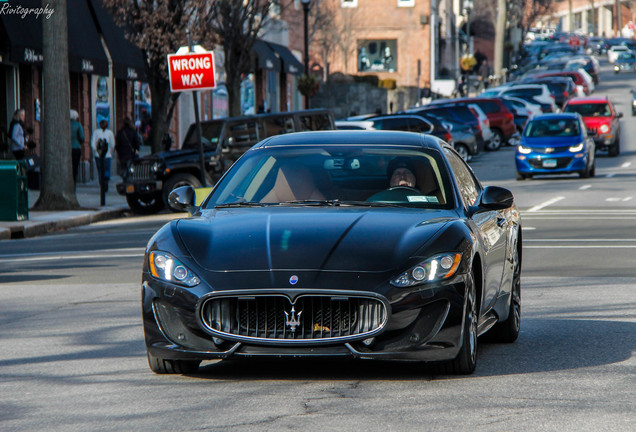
(359, 244)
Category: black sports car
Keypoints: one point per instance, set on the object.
(365, 244)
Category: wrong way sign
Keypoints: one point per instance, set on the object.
(192, 71)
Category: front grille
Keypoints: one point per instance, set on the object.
(549, 150)
(314, 317)
(561, 163)
(141, 171)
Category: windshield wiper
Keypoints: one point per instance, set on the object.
(312, 202)
(240, 204)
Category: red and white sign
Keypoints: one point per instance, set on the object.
(575, 41)
(192, 71)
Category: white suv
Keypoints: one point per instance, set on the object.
(538, 92)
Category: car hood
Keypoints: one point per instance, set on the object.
(308, 238)
(551, 141)
(595, 122)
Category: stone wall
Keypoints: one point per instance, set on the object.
(346, 99)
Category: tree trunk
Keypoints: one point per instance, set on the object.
(160, 93)
(500, 36)
(57, 189)
(233, 86)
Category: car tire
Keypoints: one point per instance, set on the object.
(615, 149)
(466, 360)
(495, 141)
(178, 180)
(462, 149)
(508, 331)
(520, 176)
(145, 204)
(166, 366)
(593, 170)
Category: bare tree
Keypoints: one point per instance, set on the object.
(323, 34)
(237, 24)
(346, 39)
(57, 191)
(159, 28)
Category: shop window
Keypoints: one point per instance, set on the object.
(348, 3)
(377, 55)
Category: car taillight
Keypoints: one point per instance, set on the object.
(566, 94)
(448, 137)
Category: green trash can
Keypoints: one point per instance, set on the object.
(14, 194)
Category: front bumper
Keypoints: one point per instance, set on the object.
(146, 187)
(550, 164)
(424, 325)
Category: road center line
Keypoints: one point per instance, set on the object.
(585, 187)
(626, 165)
(545, 204)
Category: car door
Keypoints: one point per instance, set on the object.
(491, 227)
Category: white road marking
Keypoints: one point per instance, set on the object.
(546, 204)
(108, 253)
(626, 165)
(585, 187)
(610, 175)
(581, 247)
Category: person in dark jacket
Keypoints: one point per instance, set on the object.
(127, 144)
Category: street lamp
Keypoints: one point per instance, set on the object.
(306, 30)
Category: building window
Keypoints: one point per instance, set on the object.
(377, 55)
(348, 3)
(406, 3)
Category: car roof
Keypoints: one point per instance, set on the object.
(592, 99)
(398, 138)
(556, 116)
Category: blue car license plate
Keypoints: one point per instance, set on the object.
(549, 163)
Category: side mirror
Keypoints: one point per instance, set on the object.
(496, 198)
(619, 115)
(182, 198)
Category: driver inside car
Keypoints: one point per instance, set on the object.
(403, 177)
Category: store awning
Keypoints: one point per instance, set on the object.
(24, 33)
(128, 60)
(266, 57)
(85, 51)
(290, 63)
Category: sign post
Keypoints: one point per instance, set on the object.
(192, 71)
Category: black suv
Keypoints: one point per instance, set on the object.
(149, 180)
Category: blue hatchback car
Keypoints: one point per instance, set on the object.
(555, 144)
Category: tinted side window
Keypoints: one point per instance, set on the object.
(316, 121)
(469, 188)
(276, 125)
(489, 107)
(397, 123)
(420, 125)
(245, 132)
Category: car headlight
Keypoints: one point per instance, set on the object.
(604, 128)
(157, 167)
(433, 269)
(634, 102)
(524, 150)
(166, 267)
(576, 148)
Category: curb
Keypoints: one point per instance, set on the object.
(33, 228)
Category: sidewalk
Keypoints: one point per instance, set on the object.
(88, 196)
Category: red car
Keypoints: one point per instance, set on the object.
(600, 116)
(502, 121)
(576, 76)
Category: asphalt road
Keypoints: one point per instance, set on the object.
(73, 356)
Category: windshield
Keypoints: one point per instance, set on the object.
(590, 109)
(552, 128)
(336, 175)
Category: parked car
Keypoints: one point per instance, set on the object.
(583, 87)
(614, 51)
(149, 180)
(400, 122)
(602, 118)
(555, 144)
(562, 88)
(501, 120)
(539, 92)
(626, 62)
(305, 249)
(464, 112)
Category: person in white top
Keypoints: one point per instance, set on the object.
(100, 135)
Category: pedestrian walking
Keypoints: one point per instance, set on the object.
(103, 143)
(484, 73)
(127, 144)
(77, 138)
(17, 134)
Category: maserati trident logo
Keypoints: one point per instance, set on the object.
(292, 319)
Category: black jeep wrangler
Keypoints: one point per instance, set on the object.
(149, 180)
